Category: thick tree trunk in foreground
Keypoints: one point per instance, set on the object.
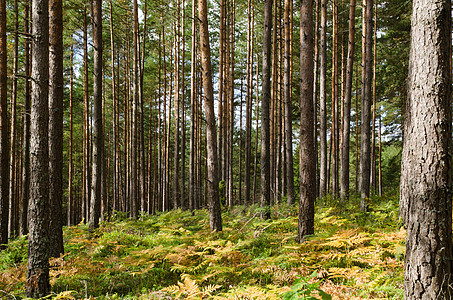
(98, 132)
(307, 143)
(215, 216)
(56, 128)
(265, 103)
(37, 284)
(4, 139)
(426, 159)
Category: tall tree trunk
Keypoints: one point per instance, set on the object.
(248, 105)
(4, 136)
(425, 201)
(193, 101)
(71, 205)
(26, 143)
(56, 128)
(86, 190)
(265, 101)
(37, 284)
(177, 109)
(323, 176)
(182, 193)
(143, 196)
(134, 168)
(365, 138)
(215, 216)
(373, 182)
(307, 143)
(98, 138)
(347, 105)
(335, 108)
(288, 105)
(316, 90)
(12, 230)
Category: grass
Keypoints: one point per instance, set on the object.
(174, 255)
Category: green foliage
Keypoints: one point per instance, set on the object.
(175, 254)
(303, 288)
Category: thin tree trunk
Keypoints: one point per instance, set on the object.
(70, 220)
(56, 128)
(37, 284)
(265, 101)
(307, 144)
(193, 105)
(215, 217)
(367, 55)
(143, 195)
(288, 106)
(177, 88)
(323, 176)
(86, 127)
(26, 143)
(98, 139)
(4, 132)
(248, 105)
(347, 105)
(12, 231)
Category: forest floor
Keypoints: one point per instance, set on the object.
(352, 255)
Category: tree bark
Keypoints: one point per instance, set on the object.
(265, 200)
(98, 130)
(365, 138)
(288, 105)
(56, 128)
(307, 143)
(344, 191)
(248, 106)
(26, 144)
(4, 132)
(323, 176)
(215, 216)
(425, 200)
(37, 284)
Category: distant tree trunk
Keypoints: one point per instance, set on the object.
(71, 205)
(248, 105)
(373, 181)
(177, 88)
(4, 136)
(98, 139)
(182, 193)
(347, 105)
(307, 143)
(323, 176)
(86, 190)
(265, 101)
(215, 216)
(257, 111)
(56, 128)
(26, 144)
(37, 284)
(380, 160)
(316, 90)
(425, 201)
(13, 205)
(365, 138)
(288, 105)
(133, 184)
(143, 196)
(193, 104)
(357, 131)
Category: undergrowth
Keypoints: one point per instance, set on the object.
(174, 255)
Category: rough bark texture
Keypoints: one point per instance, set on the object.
(37, 284)
(265, 103)
(98, 131)
(215, 216)
(56, 128)
(288, 105)
(4, 141)
(307, 143)
(248, 107)
(344, 188)
(365, 138)
(322, 102)
(426, 159)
